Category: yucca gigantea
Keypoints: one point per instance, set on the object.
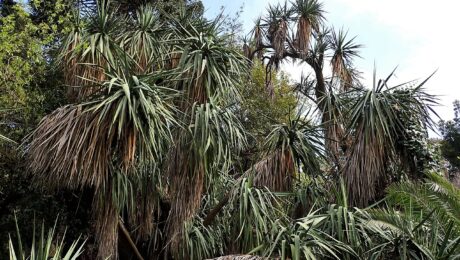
(258, 33)
(89, 51)
(143, 42)
(208, 74)
(277, 21)
(375, 120)
(124, 129)
(310, 16)
(289, 149)
(342, 60)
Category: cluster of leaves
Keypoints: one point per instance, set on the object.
(450, 145)
(256, 221)
(45, 247)
(21, 66)
(261, 109)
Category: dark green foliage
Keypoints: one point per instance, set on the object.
(450, 145)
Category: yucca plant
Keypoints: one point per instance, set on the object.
(201, 242)
(209, 74)
(83, 145)
(143, 42)
(91, 50)
(345, 50)
(289, 149)
(306, 239)
(376, 118)
(310, 17)
(47, 247)
(252, 211)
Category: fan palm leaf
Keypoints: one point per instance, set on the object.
(436, 194)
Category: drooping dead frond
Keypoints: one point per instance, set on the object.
(187, 181)
(65, 151)
(174, 60)
(213, 134)
(279, 38)
(258, 38)
(364, 171)
(304, 30)
(338, 65)
(342, 60)
(145, 213)
(258, 34)
(246, 50)
(76, 145)
(310, 17)
(276, 171)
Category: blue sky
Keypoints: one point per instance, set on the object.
(418, 36)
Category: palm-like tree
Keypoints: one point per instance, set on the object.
(376, 119)
(132, 104)
(310, 17)
(288, 150)
(209, 76)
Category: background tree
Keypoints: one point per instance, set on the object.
(450, 144)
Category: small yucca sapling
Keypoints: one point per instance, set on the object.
(46, 248)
